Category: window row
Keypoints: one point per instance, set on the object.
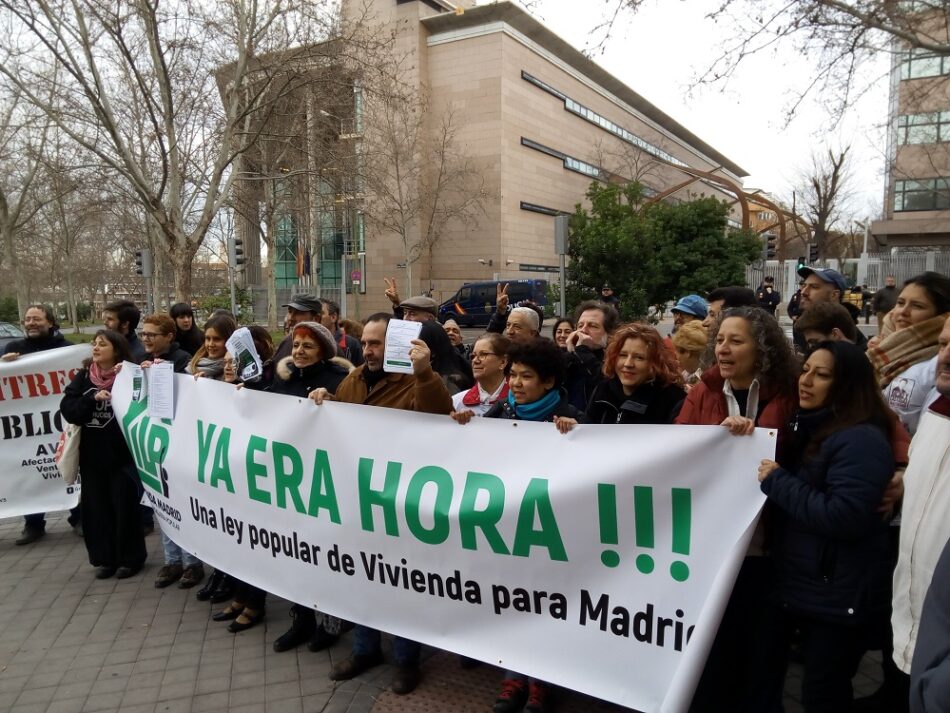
(603, 122)
(929, 128)
(570, 163)
(922, 194)
(917, 63)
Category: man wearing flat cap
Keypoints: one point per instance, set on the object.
(414, 309)
(303, 307)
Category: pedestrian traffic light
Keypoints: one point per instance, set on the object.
(143, 263)
(801, 262)
(771, 244)
(236, 253)
(812, 253)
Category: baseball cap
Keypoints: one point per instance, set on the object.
(825, 274)
(422, 303)
(692, 304)
(305, 302)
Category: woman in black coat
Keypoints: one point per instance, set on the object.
(832, 544)
(643, 384)
(109, 496)
(187, 334)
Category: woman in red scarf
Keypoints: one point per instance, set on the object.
(113, 527)
(490, 369)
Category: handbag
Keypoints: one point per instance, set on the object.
(67, 453)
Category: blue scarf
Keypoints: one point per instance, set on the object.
(538, 410)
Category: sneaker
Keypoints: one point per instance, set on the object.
(405, 679)
(30, 535)
(354, 666)
(303, 627)
(514, 694)
(537, 697)
(191, 576)
(169, 574)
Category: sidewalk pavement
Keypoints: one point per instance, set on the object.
(70, 643)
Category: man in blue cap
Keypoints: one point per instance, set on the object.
(822, 284)
(687, 309)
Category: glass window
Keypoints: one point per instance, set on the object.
(919, 63)
(465, 294)
(926, 194)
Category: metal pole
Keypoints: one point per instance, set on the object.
(343, 278)
(562, 307)
(231, 279)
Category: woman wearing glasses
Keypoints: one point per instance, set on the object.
(490, 369)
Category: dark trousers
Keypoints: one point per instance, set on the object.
(745, 671)
(831, 653)
(250, 596)
(37, 521)
(112, 524)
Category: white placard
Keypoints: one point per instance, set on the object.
(399, 336)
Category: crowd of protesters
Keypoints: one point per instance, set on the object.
(853, 534)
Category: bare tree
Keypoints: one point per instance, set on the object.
(23, 136)
(418, 179)
(167, 95)
(825, 192)
(841, 35)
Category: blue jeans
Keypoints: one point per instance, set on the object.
(176, 555)
(366, 642)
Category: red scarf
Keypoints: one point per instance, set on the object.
(102, 381)
(471, 397)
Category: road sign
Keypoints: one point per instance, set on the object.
(356, 276)
(530, 267)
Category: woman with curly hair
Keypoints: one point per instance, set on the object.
(643, 384)
(752, 382)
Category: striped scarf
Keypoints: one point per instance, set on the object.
(898, 350)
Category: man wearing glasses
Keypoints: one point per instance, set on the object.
(158, 335)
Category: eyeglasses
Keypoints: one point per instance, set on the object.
(482, 355)
(151, 335)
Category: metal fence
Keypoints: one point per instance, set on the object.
(902, 265)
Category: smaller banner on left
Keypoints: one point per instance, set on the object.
(31, 388)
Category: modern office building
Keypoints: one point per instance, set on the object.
(538, 120)
(917, 193)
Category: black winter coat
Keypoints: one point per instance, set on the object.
(832, 546)
(101, 445)
(53, 340)
(176, 355)
(584, 375)
(650, 403)
(293, 381)
(190, 341)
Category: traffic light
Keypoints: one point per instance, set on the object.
(801, 262)
(812, 253)
(236, 253)
(771, 243)
(143, 263)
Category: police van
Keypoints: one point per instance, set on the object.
(473, 304)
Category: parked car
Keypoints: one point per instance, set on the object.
(474, 303)
(9, 332)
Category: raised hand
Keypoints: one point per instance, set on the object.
(391, 291)
(501, 298)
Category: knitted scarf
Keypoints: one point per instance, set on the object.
(898, 350)
(212, 368)
(101, 380)
(539, 410)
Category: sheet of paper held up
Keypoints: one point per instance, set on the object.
(246, 359)
(139, 389)
(399, 336)
(161, 390)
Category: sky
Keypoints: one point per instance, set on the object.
(661, 49)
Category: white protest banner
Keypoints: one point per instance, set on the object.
(31, 388)
(589, 560)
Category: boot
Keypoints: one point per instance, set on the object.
(204, 594)
(302, 629)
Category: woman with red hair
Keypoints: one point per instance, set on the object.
(643, 382)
